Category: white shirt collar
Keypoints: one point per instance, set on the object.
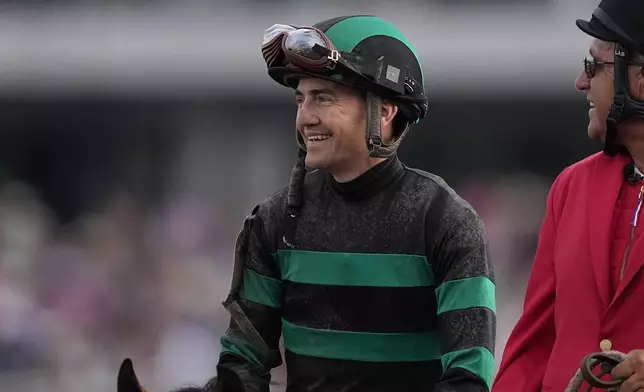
(638, 171)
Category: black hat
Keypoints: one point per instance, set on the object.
(620, 21)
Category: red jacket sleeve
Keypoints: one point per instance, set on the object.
(529, 346)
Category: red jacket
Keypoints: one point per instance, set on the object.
(569, 307)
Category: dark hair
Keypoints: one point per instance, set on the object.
(399, 125)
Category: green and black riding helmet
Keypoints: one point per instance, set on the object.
(363, 52)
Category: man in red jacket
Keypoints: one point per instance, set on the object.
(586, 289)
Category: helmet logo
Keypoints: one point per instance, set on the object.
(393, 74)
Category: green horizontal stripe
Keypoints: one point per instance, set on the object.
(354, 269)
(361, 346)
(240, 347)
(261, 289)
(466, 293)
(476, 360)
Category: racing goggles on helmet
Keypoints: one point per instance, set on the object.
(305, 47)
(310, 49)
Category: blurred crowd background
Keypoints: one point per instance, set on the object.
(136, 136)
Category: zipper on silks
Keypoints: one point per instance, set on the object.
(640, 198)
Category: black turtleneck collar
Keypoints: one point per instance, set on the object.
(370, 182)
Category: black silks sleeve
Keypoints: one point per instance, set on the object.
(465, 296)
(243, 367)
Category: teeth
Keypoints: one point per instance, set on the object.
(592, 104)
(319, 137)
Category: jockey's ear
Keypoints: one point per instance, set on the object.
(127, 381)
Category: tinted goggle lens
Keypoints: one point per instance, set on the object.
(302, 43)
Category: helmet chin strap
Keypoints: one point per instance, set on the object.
(295, 194)
(377, 148)
(624, 106)
(300, 140)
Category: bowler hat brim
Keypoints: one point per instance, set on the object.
(596, 29)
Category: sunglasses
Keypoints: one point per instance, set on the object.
(591, 64)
